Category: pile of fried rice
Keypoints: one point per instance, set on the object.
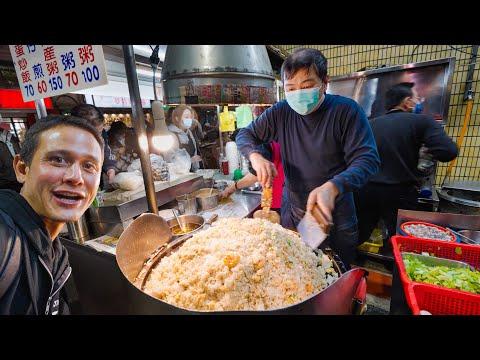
(240, 264)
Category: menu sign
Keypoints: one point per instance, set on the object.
(49, 70)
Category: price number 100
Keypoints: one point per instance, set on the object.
(90, 74)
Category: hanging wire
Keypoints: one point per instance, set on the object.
(154, 63)
(413, 52)
(457, 49)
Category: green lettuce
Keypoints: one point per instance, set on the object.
(453, 278)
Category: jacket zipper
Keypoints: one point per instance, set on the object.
(51, 277)
(53, 285)
(63, 282)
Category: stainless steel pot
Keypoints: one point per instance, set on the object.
(205, 200)
(78, 230)
(347, 295)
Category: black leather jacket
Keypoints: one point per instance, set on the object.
(35, 284)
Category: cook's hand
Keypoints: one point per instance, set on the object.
(196, 158)
(324, 196)
(229, 190)
(110, 175)
(265, 169)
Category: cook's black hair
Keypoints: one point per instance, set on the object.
(89, 112)
(304, 58)
(395, 95)
(32, 135)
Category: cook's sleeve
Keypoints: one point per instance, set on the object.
(262, 130)
(360, 151)
(439, 144)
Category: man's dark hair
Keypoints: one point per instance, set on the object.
(395, 95)
(32, 136)
(117, 129)
(89, 112)
(304, 58)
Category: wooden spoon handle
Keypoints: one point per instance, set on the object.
(317, 214)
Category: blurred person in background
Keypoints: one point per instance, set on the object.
(399, 135)
(123, 145)
(185, 125)
(9, 146)
(95, 116)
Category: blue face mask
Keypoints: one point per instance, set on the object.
(187, 123)
(304, 101)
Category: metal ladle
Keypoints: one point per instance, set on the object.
(155, 257)
(181, 224)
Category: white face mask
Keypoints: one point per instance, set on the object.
(187, 122)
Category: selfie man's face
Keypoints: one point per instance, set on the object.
(63, 177)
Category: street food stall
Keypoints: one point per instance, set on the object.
(121, 231)
(165, 242)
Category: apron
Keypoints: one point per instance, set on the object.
(343, 238)
(277, 185)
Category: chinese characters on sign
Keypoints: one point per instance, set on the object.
(49, 70)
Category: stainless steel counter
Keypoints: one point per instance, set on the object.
(457, 221)
(112, 217)
(238, 205)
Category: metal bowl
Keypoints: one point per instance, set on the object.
(192, 222)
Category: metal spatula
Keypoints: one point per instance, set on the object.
(312, 230)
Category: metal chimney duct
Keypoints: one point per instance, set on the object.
(212, 74)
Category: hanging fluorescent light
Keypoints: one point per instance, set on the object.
(143, 50)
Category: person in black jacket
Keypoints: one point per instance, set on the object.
(399, 135)
(8, 148)
(59, 166)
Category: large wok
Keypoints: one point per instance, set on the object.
(150, 234)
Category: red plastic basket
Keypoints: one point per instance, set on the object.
(436, 299)
(440, 301)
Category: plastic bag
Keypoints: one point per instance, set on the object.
(227, 120)
(244, 116)
(156, 161)
(179, 164)
(128, 180)
(159, 167)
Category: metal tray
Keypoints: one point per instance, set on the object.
(436, 261)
